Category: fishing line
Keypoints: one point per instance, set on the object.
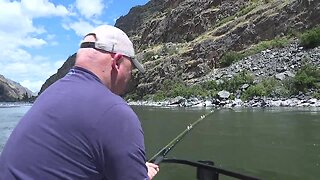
(160, 155)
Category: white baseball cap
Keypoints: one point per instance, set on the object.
(114, 40)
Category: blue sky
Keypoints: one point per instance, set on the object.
(37, 36)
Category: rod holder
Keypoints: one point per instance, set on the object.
(205, 173)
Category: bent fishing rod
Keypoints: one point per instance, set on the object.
(160, 155)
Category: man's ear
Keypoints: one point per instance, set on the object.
(115, 61)
(117, 56)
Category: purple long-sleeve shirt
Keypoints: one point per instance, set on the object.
(76, 129)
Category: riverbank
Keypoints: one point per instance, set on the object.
(14, 104)
(227, 103)
(278, 77)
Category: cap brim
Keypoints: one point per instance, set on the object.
(138, 65)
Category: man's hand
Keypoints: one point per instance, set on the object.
(153, 169)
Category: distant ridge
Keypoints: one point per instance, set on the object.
(11, 91)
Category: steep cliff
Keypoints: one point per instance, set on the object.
(185, 40)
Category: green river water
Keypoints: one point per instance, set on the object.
(274, 143)
(277, 143)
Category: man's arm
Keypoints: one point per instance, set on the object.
(120, 148)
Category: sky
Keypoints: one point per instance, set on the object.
(37, 36)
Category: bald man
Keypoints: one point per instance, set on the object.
(79, 127)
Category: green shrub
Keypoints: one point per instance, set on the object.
(230, 57)
(172, 88)
(210, 88)
(270, 84)
(263, 45)
(306, 78)
(132, 96)
(199, 91)
(159, 96)
(310, 38)
(188, 91)
(268, 87)
(148, 56)
(316, 95)
(281, 92)
(274, 88)
(289, 85)
(252, 91)
(209, 85)
(234, 83)
(168, 84)
(279, 42)
(178, 89)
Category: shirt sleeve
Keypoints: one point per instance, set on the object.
(120, 146)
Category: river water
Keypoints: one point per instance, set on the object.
(274, 143)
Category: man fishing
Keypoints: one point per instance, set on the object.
(80, 128)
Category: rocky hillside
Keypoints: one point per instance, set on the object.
(185, 40)
(12, 91)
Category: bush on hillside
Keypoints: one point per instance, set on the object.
(306, 78)
(231, 57)
(269, 44)
(228, 58)
(254, 91)
(310, 38)
(267, 87)
(233, 84)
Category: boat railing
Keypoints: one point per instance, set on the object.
(207, 171)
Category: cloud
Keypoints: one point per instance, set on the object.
(18, 32)
(42, 71)
(42, 8)
(8, 55)
(31, 72)
(32, 42)
(13, 21)
(16, 22)
(32, 85)
(90, 8)
(81, 28)
(21, 36)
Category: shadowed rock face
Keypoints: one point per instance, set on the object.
(60, 73)
(186, 38)
(161, 21)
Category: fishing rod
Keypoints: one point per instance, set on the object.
(160, 155)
